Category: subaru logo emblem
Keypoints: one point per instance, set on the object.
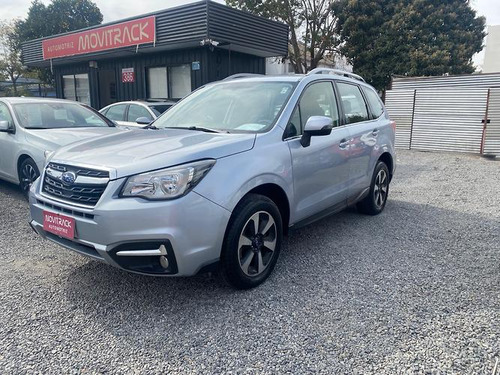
(68, 178)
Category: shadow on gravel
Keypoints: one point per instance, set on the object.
(352, 269)
(10, 189)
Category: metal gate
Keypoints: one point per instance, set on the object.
(400, 107)
(492, 127)
(449, 119)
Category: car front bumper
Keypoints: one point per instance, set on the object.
(133, 233)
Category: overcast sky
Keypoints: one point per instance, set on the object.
(117, 9)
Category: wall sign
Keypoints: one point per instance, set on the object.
(125, 34)
(195, 65)
(128, 75)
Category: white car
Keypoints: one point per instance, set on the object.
(32, 128)
(136, 113)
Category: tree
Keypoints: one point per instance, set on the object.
(408, 37)
(311, 22)
(58, 17)
(11, 66)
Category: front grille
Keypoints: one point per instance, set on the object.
(86, 193)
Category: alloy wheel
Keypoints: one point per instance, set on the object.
(257, 243)
(381, 188)
(28, 176)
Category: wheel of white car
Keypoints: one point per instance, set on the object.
(252, 243)
(28, 173)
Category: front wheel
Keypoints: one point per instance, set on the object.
(28, 173)
(253, 242)
(375, 202)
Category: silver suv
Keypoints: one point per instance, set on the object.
(220, 177)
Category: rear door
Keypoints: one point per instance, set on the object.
(364, 129)
(320, 171)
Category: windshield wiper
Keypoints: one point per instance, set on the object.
(201, 129)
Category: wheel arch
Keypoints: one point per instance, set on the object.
(386, 157)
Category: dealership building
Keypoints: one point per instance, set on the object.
(165, 54)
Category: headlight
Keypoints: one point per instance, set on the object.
(167, 183)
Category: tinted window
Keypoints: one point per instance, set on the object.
(353, 103)
(116, 112)
(5, 114)
(135, 111)
(376, 106)
(56, 115)
(317, 100)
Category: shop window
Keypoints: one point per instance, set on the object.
(76, 87)
(172, 82)
(181, 81)
(157, 83)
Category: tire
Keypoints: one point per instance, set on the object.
(248, 259)
(28, 173)
(376, 200)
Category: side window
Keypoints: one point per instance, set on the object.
(135, 111)
(376, 106)
(353, 103)
(317, 100)
(116, 113)
(5, 114)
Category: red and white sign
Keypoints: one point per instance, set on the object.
(128, 75)
(59, 225)
(125, 34)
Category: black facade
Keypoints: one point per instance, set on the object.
(213, 40)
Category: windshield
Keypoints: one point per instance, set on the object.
(233, 106)
(56, 116)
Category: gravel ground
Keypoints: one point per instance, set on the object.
(414, 290)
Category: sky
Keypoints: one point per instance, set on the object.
(118, 9)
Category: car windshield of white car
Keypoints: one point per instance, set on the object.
(235, 107)
(56, 116)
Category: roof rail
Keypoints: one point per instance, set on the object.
(241, 75)
(337, 72)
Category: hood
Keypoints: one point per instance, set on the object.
(52, 139)
(137, 151)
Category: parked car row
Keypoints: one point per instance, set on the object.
(215, 181)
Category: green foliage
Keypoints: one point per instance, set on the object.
(11, 67)
(409, 37)
(58, 17)
(311, 22)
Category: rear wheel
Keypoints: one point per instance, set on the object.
(375, 202)
(253, 242)
(28, 173)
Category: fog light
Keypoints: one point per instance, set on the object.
(164, 261)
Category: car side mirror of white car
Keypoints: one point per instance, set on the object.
(316, 126)
(143, 121)
(5, 127)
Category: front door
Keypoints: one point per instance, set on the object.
(8, 143)
(320, 171)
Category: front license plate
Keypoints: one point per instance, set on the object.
(59, 225)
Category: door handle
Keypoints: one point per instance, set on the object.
(344, 143)
(375, 132)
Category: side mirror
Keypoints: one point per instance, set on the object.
(143, 121)
(316, 126)
(5, 127)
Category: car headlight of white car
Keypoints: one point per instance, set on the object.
(167, 183)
